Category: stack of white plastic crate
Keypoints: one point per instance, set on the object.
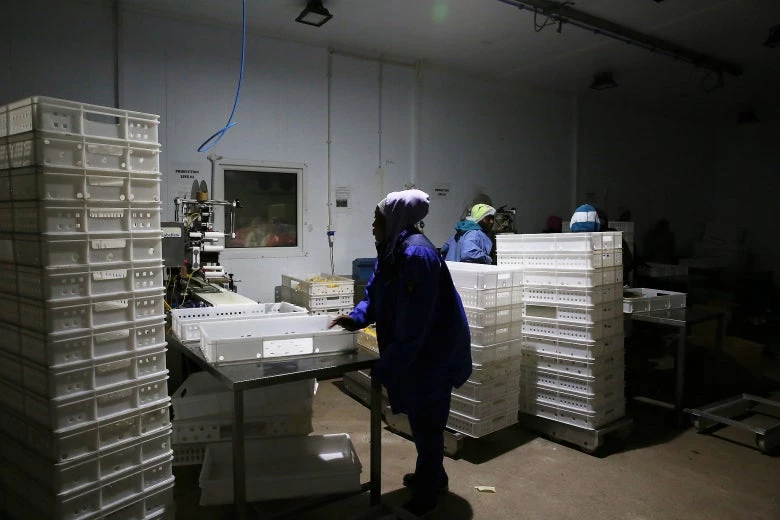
(573, 359)
(320, 293)
(488, 401)
(85, 429)
(203, 414)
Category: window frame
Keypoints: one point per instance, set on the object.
(299, 169)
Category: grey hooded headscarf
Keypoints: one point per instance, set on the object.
(401, 210)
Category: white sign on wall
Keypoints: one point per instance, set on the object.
(441, 191)
(343, 195)
(185, 176)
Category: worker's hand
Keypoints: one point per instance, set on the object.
(345, 322)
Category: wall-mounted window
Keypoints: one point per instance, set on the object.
(270, 216)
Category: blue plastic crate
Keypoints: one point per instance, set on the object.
(362, 268)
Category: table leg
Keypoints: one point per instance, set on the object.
(376, 441)
(239, 460)
(679, 387)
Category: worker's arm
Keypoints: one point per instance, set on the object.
(475, 248)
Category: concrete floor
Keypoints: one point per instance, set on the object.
(659, 472)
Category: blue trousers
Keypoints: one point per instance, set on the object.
(428, 422)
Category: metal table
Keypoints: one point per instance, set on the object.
(682, 320)
(244, 376)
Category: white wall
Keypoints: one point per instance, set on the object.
(654, 165)
(58, 49)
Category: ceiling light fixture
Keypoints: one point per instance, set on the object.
(314, 14)
(774, 37)
(603, 81)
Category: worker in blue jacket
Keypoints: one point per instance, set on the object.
(422, 332)
(471, 241)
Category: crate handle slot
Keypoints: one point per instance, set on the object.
(111, 336)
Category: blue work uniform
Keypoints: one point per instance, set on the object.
(469, 244)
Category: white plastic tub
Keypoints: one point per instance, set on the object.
(645, 300)
(478, 276)
(279, 468)
(186, 322)
(202, 396)
(281, 336)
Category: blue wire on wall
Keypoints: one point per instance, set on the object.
(212, 141)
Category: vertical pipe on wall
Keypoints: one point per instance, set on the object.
(380, 113)
(575, 150)
(415, 121)
(117, 54)
(330, 189)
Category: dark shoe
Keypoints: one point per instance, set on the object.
(409, 479)
(420, 507)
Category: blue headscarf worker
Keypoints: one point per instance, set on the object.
(471, 241)
(422, 332)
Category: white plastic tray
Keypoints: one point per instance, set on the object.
(487, 336)
(57, 351)
(485, 408)
(508, 367)
(70, 117)
(41, 217)
(584, 279)
(644, 300)
(186, 322)
(609, 362)
(91, 153)
(567, 296)
(481, 427)
(485, 298)
(489, 389)
(601, 384)
(607, 413)
(202, 396)
(585, 350)
(570, 242)
(573, 331)
(280, 336)
(67, 284)
(84, 249)
(286, 467)
(578, 402)
(195, 431)
(496, 352)
(489, 317)
(586, 315)
(58, 185)
(322, 304)
(478, 276)
(561, 260)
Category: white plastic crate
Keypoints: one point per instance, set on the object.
(582, 419)
(485, 298)
(590, 314)
(319, 284)
(76, 185)
(609, 362)
(479, 276)
(367, 339)
(569, 242)
(490, 389)
(82, 249)
(189, 454)
(73, 118)
(70, 476)
(64, 284)
(186, 322)
(561, 260)
(496, 352)
(584, 350)
(151, 482)
(574, 279)
(40, 217)
(578, 402)
(279, 336)
(481, 427)
(156, 503)
(322, 303)
(87, 408)
(286, 467)
(202, 396)
(206, 430)
(332, 312)
(486, 408)
(63, 151)
(56, 351)
(508, 367)
(572, 331)
(485, 336)
(95, 375)
(488, 317)
(83, 441)
(600, 384)
(567, 296)
(644, 300)
(88, 313)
